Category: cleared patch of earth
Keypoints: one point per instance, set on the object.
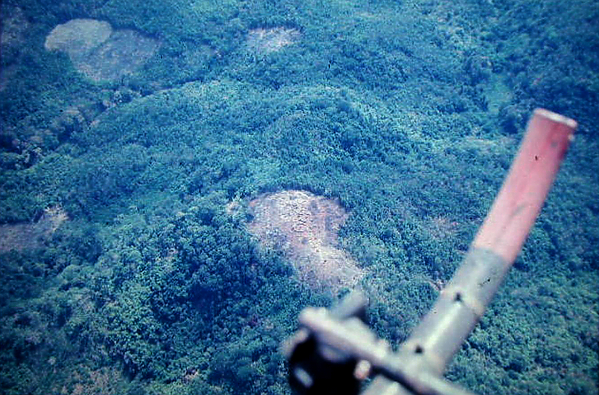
(271, 40)
(20, 237)
(304, 226)
(99, 51)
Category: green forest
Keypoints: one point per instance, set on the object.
(122, 272)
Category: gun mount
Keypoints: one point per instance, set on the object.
(334, 351)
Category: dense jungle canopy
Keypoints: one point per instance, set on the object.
(135, 133)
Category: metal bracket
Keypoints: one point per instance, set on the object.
(335, 352)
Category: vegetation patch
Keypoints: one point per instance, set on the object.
(12, 37)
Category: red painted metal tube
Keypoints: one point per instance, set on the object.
(417, 367)
(463, 301)
(518, 203)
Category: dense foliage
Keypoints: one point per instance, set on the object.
(409, 112)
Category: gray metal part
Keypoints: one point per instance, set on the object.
(456, 312)
(446, 326)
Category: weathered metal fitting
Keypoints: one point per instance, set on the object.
(458, 294)
(438, 336)
(478, 279)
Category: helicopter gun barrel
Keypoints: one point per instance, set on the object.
(334, 350)
(494, 249)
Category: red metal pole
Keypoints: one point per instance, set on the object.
(518, 203)
(463, 301)
(336, 340)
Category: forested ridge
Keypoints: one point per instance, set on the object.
(133, 277)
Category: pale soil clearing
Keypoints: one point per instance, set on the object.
(28, 236)
(99, 51)
(271, 40)
(304, 227)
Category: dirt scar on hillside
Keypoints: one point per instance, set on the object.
(33, 235)
(304, 227)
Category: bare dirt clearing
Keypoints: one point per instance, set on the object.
(100, 52)
(271, 40)
(20, 237)
(304, 226)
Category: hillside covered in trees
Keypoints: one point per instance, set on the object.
(135, 135)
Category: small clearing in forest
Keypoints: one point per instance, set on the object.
(29, 236)
(99, 51)
(304, 226)
(271, 40)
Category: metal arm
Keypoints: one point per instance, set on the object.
(329, 340)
